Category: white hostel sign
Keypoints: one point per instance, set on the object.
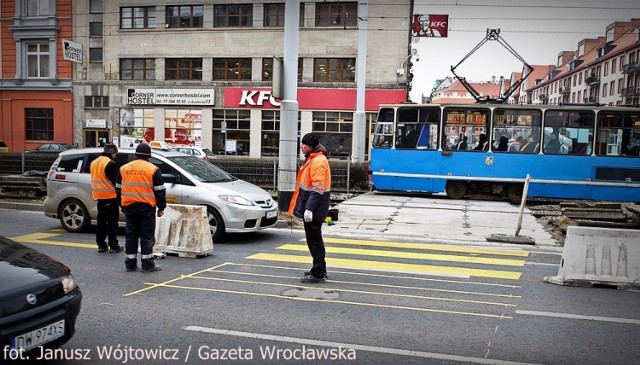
(72, 51)
(170, 97)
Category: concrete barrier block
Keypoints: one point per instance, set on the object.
(183, 230)
(594, 256)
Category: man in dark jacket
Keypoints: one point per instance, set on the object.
(141, 190)
(310, 202)
(103, 180)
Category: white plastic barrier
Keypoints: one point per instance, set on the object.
(599, 257)
(183, 230)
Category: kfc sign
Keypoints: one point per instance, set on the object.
(430, 25)
(257, 98)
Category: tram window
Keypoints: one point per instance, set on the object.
(417, 128)
(464, 122)
(618, 134)
(383, 134)
(568, 132)
(517, 126)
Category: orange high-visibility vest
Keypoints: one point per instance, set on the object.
(314, 175)
(137, 183)
(101, 186)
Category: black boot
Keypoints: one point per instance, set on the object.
(130, 264)
(149, 265)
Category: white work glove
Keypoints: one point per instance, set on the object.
(308, 215)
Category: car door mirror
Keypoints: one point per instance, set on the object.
(170, 178)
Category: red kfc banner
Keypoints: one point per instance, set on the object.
(430, 25)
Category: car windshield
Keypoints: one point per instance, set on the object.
(208, 152)
(202, 170)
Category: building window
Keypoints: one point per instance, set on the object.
(267, 69)
(39, 124)
(95, 54)
(613, 66)
(232, 69)
(95, 6)
(238, 122)
(335, 131)
(612, 88)
(38, 60)
(183, 69)
(604, 89)
(606, 68)
(36, 8)
(270, 145)
(620, 83)
(136, 126)
(137, 69)
(621, 64)
(334, 69)
(274, 15)
(233, 15)
(334, 14)
(96, 102)
(185, 16)
(95, 29)
(138, 17)
(183, 126)
(580, 78)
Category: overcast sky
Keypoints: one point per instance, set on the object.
(538, 30)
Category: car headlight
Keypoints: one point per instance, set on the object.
(235, 199)
(68, 284)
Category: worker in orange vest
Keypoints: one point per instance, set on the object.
(104, 172)
(141, 190)
(310, 201)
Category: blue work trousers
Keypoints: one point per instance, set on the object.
(140, 228)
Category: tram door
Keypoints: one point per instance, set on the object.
(96, 137)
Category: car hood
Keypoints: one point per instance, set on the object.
(21, 266)
(240, 187)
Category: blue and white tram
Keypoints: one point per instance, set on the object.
(573, 152)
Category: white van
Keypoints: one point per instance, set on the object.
(233, 205)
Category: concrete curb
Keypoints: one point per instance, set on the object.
(21, 206)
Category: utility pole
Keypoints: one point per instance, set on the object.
(360, 120)
(288, 144)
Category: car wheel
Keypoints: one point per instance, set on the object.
(74, 216)
(216, 224)
(456, 189)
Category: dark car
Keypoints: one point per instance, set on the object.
(51, 148)
(39, 300)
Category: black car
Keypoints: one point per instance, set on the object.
(39, 300)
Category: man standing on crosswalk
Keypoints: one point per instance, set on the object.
(310, 202)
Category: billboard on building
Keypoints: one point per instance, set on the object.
(72, 51)
(430, 25)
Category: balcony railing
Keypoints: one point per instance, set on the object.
(632, 67)
(590, 99)
(592, 80)
(565, 90)
(631, 91)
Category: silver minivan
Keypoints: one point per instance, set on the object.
(233, 205)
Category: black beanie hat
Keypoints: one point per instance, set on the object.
(143, 150)
(110, 148)
(310, 140)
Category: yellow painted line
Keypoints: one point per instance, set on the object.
(411, 255)
(278, 296)
(371, 274)
(42, 239)
(433, 247)
(403, 287)
(392, 266)
(181, 277)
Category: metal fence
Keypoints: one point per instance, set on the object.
(346, 176)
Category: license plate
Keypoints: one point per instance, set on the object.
(272, 214)
(41, 336)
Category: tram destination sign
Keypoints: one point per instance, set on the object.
(170, 97)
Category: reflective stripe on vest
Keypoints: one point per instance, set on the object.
(137, 183)
(101, 186)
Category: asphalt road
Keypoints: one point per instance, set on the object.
(398, 301)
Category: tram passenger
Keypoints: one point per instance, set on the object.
(483, 144)
(411, 137)
(553, 146)
(531, 146)
(503, 144)
(633, 148)
(515, 145)
(462, 145)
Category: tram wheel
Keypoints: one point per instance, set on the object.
(456, 189)
(514, 193)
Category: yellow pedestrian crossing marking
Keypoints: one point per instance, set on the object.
(430, 247)
(410, 255)
(392, 266)
(43, 239)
